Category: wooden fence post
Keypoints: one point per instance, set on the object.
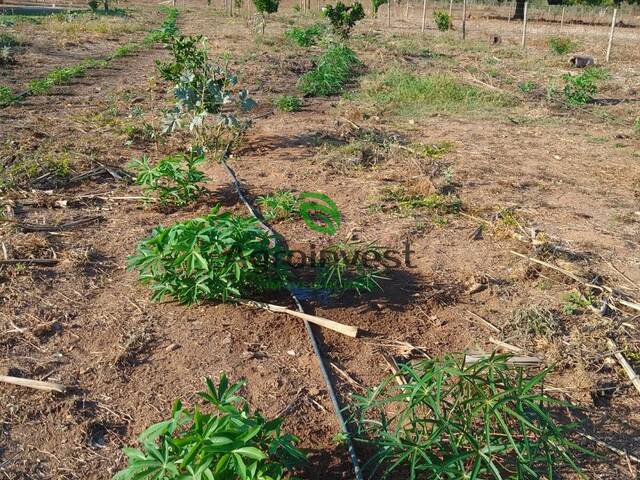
(562, 19)
(613, 27)
(424, 13)
(524, 25)
(464, 19)
(388, 13)
(406, 12)
(450, 8)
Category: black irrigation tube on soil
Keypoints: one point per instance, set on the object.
(307, 325)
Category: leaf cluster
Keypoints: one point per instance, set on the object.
(305, 36)
(342, 17)
(280, 205)
(453, 420)
(333, 69)
(228, 444)
(175, 178)
(213, 257)
(443, 20)
(266, 6)
(580, 89)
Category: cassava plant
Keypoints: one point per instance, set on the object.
(443, 20)
(213, 257)
(343, 18)
(455, 420)
(264, 8)
(580, 89)
(206, 100)
(229, 443)
(174, 179)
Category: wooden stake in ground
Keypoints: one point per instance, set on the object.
(562, 19)
(613, 28)
(450, 8)
(388, 13)
(628, 369)
(347, 330)
(524, 25)
(36, 384)
(464, 19)
(424, 13)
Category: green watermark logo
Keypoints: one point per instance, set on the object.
(319, 212)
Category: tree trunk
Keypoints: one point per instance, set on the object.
(518, 14)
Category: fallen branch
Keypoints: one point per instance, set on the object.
(45, 262)
(488, 324)
(347, 330)
(506, 346)
(395, 369)
(517, 361)
(34, 227)
(610, 447)
(36, 384)
(628, 369)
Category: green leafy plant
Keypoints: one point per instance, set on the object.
(213, 257)
(376, 4)
(287, 103)
(532, 321)
(561, 45)
(406, 201)
(349, 266)
(279, 205)
(6, 96)
(305, 36)
(580, 89)
(528, 86)
(167, 30)
(174, 178)
(455, 420)
(8, 40)
(201, 91)
(266, 7)
(333, 69)
(62, 76)
(227, 444)
(443, 20)
(342, 17)
(576, 303)
(189, 53)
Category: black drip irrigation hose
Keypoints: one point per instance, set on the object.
(312, 338)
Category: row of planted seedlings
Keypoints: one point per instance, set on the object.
(448, 418)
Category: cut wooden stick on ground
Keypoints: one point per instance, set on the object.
(45, 262)
(486, 323)
(36, 384)
(347, 330)
(628, 369)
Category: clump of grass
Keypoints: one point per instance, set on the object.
(451, 419)
(443, 20)
(287, 103)
(280, 205)
(407, 202)
(528, 86)
(62, 76)
(333, 69)
(305, 36)
(76, 25)
(126, 50)
(405, 93)
(8, 40)
(432, 150)
(535, 320)
(636, 125)
(580, 89)
(561, 45)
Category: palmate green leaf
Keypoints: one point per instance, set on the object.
(462, 421)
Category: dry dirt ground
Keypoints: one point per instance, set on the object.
(534, 177)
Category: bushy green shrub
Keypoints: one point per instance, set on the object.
(175, 178)
(213, 257)
(230, 443)
(342, 17)
(279, 205)
(561, 45)
(305, 36)
(6, 96)
(453, 420)
(580, 89)
(287, 103)
(443, 20)
(333, 69)
(167, 30)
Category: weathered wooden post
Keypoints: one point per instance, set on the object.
(464, 19)
(613, 28)
(524, 25)
(424, 13)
